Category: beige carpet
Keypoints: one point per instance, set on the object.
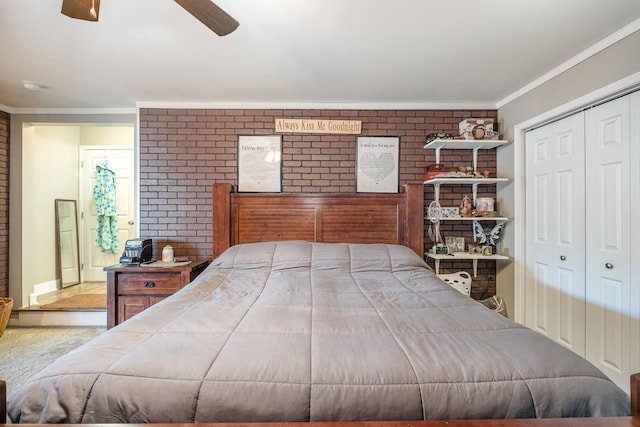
(26, 350)
(84, 301)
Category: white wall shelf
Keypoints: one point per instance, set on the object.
(475, 146)
(464, 144)
(473, 218)
(464, 255)
(474, 182)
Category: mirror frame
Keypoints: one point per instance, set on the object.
(75, 238)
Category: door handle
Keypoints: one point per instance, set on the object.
(563, 258)
(149, 284)
(609, 266)
(130, 222)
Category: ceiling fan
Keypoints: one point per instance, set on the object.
(205, 11)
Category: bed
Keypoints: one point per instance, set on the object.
(305, 316)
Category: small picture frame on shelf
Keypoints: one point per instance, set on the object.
(487, 251)
(455, 244)
(473, 248)
(450, 212)
(441, 250)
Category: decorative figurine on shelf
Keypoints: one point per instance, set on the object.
(442, 135)
(487, 235)
(466, 208)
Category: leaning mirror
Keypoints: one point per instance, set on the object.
(68, 251)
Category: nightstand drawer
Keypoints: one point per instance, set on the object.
(148, 284)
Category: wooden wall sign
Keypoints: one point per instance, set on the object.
(350, 127)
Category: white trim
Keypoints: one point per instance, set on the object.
(466, 105)
(600, 95)
(98, 111)
(136, 175)
(582, 56)
(618, 88)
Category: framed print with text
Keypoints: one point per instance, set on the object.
(260, 164)
(377, 164)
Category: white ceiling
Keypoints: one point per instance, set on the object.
(296, 52)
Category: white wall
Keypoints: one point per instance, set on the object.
(618, 62)
(106, 135)
(50, 171)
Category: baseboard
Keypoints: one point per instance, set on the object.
(44, 287)
(58, 318)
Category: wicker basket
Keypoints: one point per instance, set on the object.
(496, 304)
(6, 304)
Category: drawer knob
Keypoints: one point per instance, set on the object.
(149, 284)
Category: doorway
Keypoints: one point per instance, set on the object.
(45, 165)
(90, 292)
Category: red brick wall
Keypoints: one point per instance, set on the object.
(184, 151)
(4, 204)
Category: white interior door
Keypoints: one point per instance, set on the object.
(555, 289)
(608, 238)
(121, 161)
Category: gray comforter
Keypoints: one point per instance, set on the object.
(297, 331)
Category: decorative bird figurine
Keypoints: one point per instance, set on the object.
(487, 235)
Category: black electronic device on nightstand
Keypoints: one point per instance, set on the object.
(137, 251)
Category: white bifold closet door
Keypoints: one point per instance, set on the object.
(555, 288)
(583, 234)
(610, 310)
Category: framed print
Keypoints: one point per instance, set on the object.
(377, 159)
(450, 212)
(455, 244)
(260, 164)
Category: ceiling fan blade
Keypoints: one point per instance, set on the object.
(81, 9)
(218, 21)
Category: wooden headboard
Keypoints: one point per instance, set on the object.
(318, 217)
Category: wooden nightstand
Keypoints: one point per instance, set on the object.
(131, 289)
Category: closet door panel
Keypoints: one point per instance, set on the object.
(569, 236)
(608, 238)
(540, 286)
(569, 217)
(555, 234)
(539, 293)
(567, 327)
(612, 352)
(611, 216)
